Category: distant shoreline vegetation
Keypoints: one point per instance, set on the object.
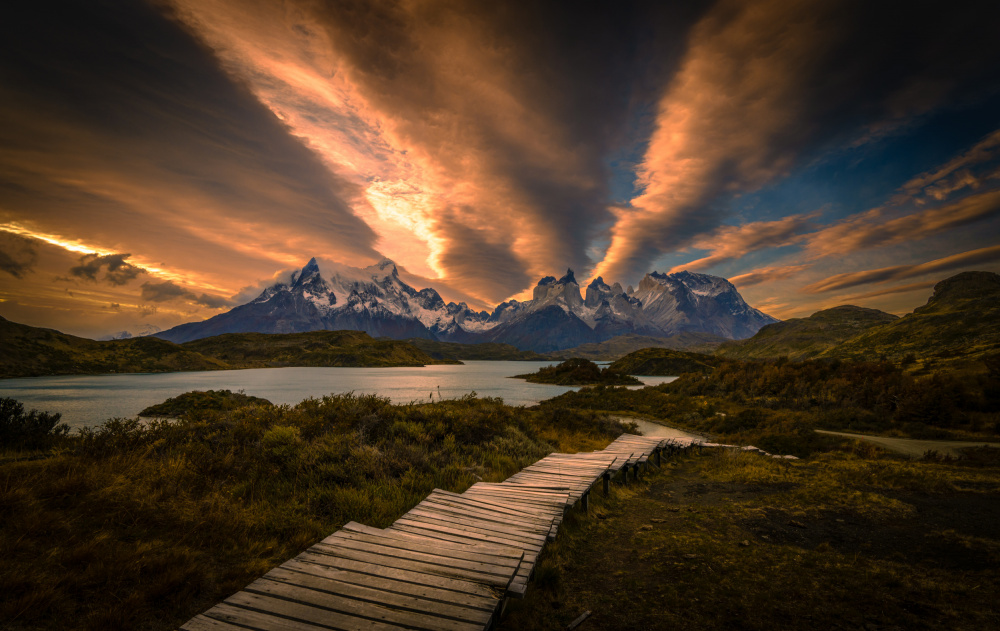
(36, 352)
(579, 372)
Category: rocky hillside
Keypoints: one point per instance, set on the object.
(375, 300)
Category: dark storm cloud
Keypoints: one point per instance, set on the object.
(17, 255)
(167, 291)
(117, 270)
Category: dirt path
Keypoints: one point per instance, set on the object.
(912, 447)
(649, 428)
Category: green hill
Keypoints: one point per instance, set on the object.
(664, 362)
(622, 345)
(959, 325)
(484, 351)
(579, 372)
(315, 348)
(202, 401)
(31, 351)
(806, 338)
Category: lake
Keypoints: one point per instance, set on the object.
(87, 400)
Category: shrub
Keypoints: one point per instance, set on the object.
(33, 429)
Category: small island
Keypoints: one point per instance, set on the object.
(579, 372)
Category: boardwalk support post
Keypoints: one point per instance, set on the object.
(659, 459)
(607, 483)
(585, 502)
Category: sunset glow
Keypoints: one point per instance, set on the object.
(803, 151)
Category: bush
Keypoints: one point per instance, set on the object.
(33, 430)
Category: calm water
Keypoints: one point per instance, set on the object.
(86, 400)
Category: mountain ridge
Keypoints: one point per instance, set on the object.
(377, 301)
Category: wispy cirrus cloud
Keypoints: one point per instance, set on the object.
(900, 272)
(726, 243)
(871, 229)
(767, 274)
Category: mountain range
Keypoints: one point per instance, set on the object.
(375, 300)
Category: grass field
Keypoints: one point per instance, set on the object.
(849, 539)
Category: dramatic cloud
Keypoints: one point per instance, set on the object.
(766, 275)
(967, 170)
(483, 145)
(732, 242)
(870, 229)
(899, 272)
(117, 270)
(17, 255)
(167, 291)
(762, 86)
(444, 116)
(122, 132)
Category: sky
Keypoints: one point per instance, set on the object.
(162, 162)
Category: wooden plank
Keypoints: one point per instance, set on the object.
(376, 558)
(344, 540)
(410, 576)
(309, 615)
(487, 502)
(485, 548)
(386, 598)
(460, 536)
(472, 601)
(489, 520)
(494, 505)
(506, 518)
(233, 615)
(327, 602)
(506, 529)
(489, 534)
(446, 552)
(204, 623)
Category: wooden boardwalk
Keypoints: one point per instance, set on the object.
(448, 564)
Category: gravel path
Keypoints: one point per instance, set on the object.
(912, 447)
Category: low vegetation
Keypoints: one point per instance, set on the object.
(776, 405)
(579, 372)
(483, 351)
(198, 401)
(621, 345)
(31, 351)
(852, 538)
(663, 361)
(141, 525)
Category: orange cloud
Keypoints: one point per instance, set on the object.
(732, 242)
(766, 275)
(435, 128)
(727, 123)
(900, 272)
(871, 230)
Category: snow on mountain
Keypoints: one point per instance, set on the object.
(141, 330)
(374, 299)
